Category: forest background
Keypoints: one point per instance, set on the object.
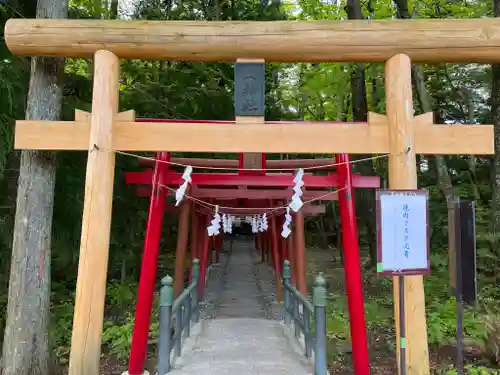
(457, 94)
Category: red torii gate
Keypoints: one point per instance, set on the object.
(238, 190)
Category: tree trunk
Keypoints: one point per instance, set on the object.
(495, 172)
(474, 190)
(26, 346)
(113, 10)
(444, 180)
(366, 202)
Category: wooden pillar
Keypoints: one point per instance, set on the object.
(300, 253)
(403, 175)
(96, 223)
(195, 231)
(276, 258)
(270, 254)
(147, 280)
(283, 244)
(205, 242)
(180, 252)
(291, 256)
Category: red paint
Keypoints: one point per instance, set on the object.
(195, 237)
(176, 121)
(204, 261)
(269, 180)
(276, 257)
(261, 167)
(282, 243)
(148, 273)
(264, 194)
(352, 265)
(300, 252)
(320, 164)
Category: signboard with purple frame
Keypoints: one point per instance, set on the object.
(402, 232)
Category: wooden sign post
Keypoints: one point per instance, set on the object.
(403, 175)
(403, 248)
(399, 134)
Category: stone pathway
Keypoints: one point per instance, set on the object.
(241, 338)
(240, 296)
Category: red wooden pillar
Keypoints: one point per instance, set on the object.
(204, 260)
(195, 235)
(283, 244)
(352, 265)
(276, 258)
(291, 256)
(148, 269)
(180, 252)
(270, 253)
(300, 253)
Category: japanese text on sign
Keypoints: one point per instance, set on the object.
(402, 226)
(249, 95)
(249, 92)
(406, 233)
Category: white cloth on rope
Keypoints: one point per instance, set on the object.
(263, 223)
(255, 226)
(286, 225)
(181, 191)
(227, 223)
(296, 202)
(214, 228)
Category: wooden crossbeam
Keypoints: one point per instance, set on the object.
(203, 193)
(464, 40)
(269, 180)
(307, 209)
(326, 163)
(351, 138)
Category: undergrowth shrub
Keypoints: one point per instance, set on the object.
(442, 322)
(493, 337)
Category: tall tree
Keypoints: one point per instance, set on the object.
(26, 345)
(495, 172)
(425, 100)
(113, 10)
(360, 113)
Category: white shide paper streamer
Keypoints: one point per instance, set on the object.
(181, 191)
(214, 227)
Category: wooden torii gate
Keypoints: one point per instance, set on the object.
(401, 134)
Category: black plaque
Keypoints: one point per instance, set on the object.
(465, 250)
(468, 251)
(249, 89)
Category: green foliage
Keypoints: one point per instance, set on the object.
(60, 332)
(121, 295)
(118, 337)
(442, 318)
(473, 370)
